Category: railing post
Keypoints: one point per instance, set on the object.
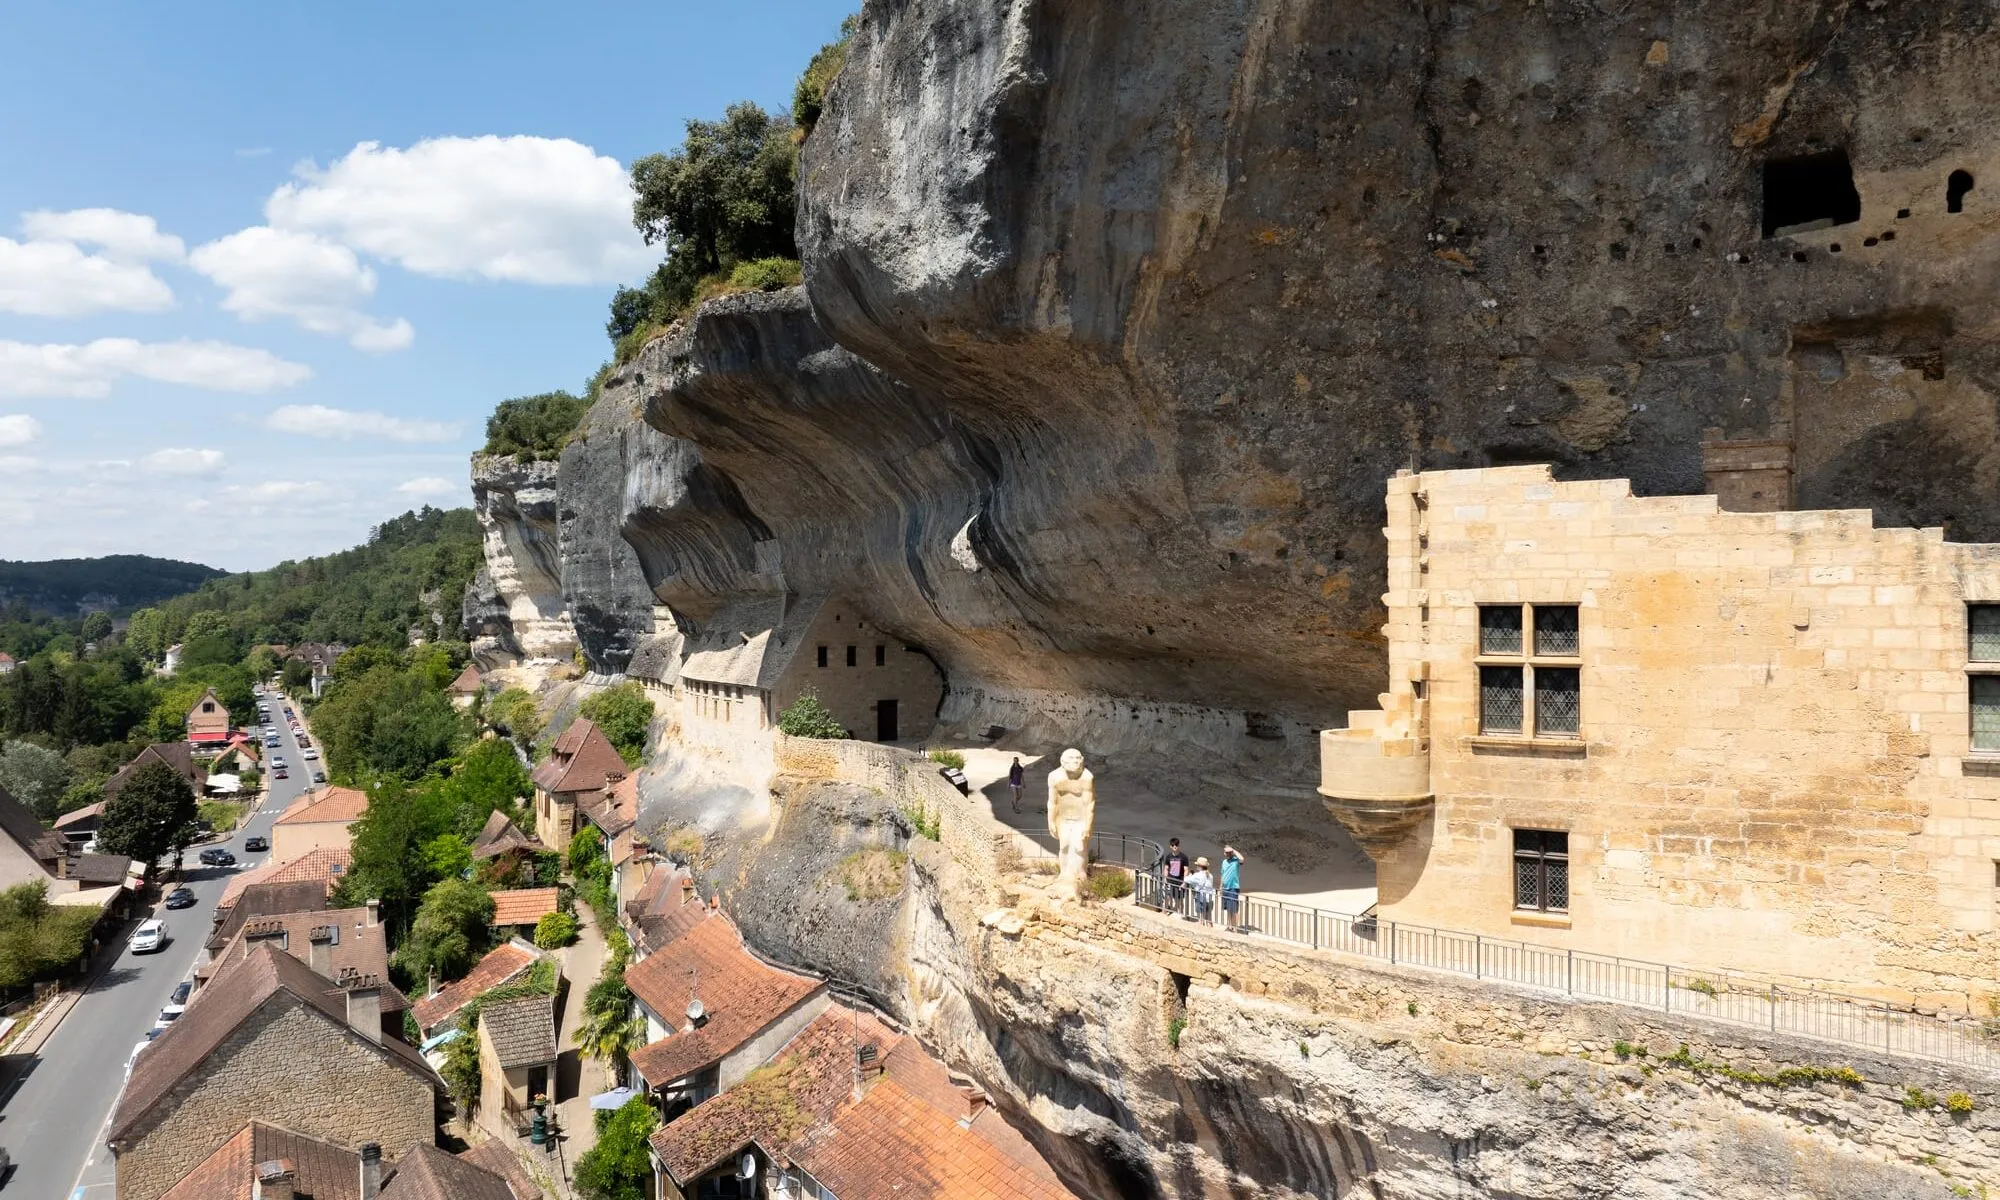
(1569, 972)
(1392, 942)
(1478, 957)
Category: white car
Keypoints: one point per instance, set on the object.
(309, 752)
(133, 1057)
(149, 937)
(168, 1016)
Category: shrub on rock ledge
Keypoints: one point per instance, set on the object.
(808, 718)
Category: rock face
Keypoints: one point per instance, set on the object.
(604, 589)
(516, 503)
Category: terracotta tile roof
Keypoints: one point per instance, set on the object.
(357, 945)
(80, 814)
(267, 976)
(321, 1170)
(804, 1085)
(495, 1156)
(326, 804)
(743, 997)
(582, 759)
(428, 1173)
(259, 900)
(501, 836)
(501, 964)
(326, 865)
(900, 1140)
(523, 1031)
(523, 906)
(468, 681)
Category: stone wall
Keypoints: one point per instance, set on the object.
(289, 1066)
(851, 690)
(1773, 772)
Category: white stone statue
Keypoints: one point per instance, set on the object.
(1072, 814)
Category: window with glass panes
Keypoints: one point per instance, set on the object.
(1541, 870)
(1983, 675)
(1528, 677)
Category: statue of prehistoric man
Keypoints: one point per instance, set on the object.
(1072, 813)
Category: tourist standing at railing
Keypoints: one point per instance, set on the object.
(1202, 888)
(1172, 866)
(1232, 889)
(1014, 777)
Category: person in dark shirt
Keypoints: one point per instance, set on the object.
(1173, 868)
(1014, 777)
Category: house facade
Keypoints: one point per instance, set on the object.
(581, 763)
(178, 757)
(517, 1057)
(208, 721)
(1648, 727)
(318, 820)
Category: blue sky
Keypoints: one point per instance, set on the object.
(267, 267)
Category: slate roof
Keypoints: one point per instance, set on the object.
(501, 836)
(357, 945)
(494, 1156)
(260, 900)
(76, 815)
(916, 1137)
(325, 865)
(803, 1085)
(326, 804)
(523, 906)
(178, 755)
(428, 1173)
(582, 759)
(656, 659)
(749, 644)
(523, 1031)
(743, 996)
(100, 868)
(320, 1170)
(501, 964)
(43, 845)
(267, 975)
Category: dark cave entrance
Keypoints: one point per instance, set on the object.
(1812, 191)
(1956, 185)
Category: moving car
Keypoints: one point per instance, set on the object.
(216, 856)
(256, 844)
(279, 773)
(180, 897)
(150, 936)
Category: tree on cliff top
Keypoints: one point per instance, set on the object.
(534, 427)
(809, 96)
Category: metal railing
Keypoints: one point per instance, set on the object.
(1713, 995)
(1112, 850)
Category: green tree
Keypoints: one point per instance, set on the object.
(609, 1032)
(447, 856)
(808, 717)
(388, 860)
(38, 939)
(619, 1167)
(152, 815)
(625, 715)
(555, 930)
(96, 627)
(36, 776)
(296, 676)
(487, 777)
(514, 713)
(146, 634)
(534, 427)
(449, 934)
(809, 95)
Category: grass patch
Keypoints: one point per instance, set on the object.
(221, 815)
(948, 758)
(684, 845)
(873, 874)
(925, 821)
(1110, 883)
(1783, 1077)
(1174, 1029)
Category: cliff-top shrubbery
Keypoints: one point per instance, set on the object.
(534, 427)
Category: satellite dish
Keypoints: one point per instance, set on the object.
(696, 1011)
(747, 1168)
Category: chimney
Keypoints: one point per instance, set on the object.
(374, 913)
(1749, 474)
(319, 949)
(275, 1180)
(371, 1170)
(364, 1005)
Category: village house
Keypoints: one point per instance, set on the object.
(1650, 727)
(502, 965)
(501, 840)
(266, 1162)
(466, 688)
(518, 910)
(335, 943)
(582, 761)
(517, 1056)
(258, 900)
(268, 1040)
(749, 662)
(177, 756)
(6, 663)
(614, 810)
(663, 908)
(318, 820)
(713, 1012)
(32, 854)
(324, 867)
(207, 721)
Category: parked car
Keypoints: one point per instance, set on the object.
(319, 776)
(133, 1057)
(216, 856)
(168, 1016)
(256, 845)
(182, 991)
(305, 742)
(180, 897)
(309, 752)
(149, 937)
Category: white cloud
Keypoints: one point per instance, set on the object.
(429, 485)
(177, 460)
(89, 370)
(317, 283)
(19, 430)
(56, 279)
(126, 237)
(521, 209)
(317, 420)
(276, 489)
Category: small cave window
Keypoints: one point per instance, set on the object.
(1814, 191)
(1956, 185)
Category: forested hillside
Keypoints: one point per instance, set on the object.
(63, 586)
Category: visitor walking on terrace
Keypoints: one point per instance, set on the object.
(1014, 776)
(1172, 866)
(1202, 887)
(1232, 889)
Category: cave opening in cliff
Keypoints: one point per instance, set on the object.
(1956, 185)
(1812, 191)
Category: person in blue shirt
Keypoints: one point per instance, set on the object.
(1232, 889)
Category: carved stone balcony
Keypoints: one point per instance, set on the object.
(1375, 775)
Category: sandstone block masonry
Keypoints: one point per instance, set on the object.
(1650, 728)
